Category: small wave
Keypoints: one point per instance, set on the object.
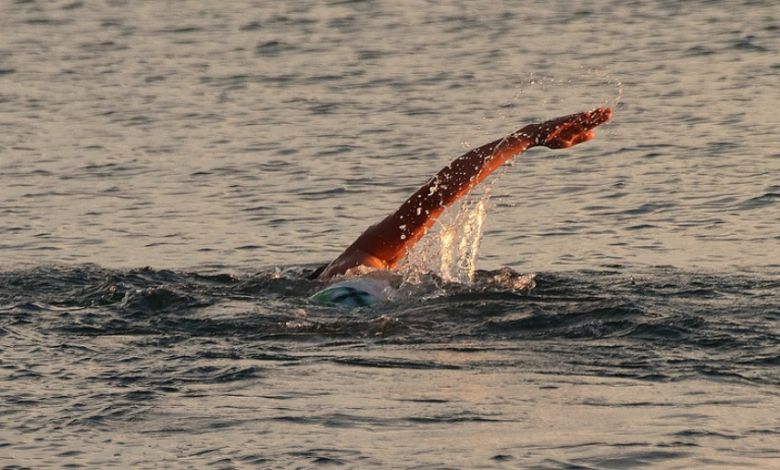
(637, 311)
(762, 201)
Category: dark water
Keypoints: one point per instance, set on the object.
(593, 369)
(171, 171)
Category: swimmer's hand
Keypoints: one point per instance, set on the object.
(568, 131)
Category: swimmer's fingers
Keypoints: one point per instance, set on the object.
(586, 120)
(597, 117)
(571, 130)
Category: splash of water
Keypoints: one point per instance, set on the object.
(460, 240)
(451, 250)
(610, 81)
(542, 96)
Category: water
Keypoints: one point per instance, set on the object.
(170, 171)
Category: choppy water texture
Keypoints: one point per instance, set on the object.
(171, 171)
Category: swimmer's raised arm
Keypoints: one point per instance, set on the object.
(385, 244)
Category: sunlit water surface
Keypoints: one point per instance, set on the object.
(171, 171)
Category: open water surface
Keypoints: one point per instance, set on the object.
(171, 171)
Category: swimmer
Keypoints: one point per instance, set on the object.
(384, 245)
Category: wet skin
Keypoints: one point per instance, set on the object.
(385, 244)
